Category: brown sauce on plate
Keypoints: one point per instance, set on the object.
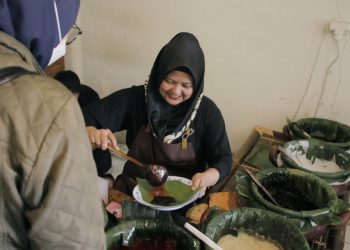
(161, 197)
(158, 191)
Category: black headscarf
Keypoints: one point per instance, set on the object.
(168, 122)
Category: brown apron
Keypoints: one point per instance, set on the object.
(178, 158)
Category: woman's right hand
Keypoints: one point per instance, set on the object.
(101, 138)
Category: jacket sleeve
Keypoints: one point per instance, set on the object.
(63, 204)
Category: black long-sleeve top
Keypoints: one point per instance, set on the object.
(126, 110)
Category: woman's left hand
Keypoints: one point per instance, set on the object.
(204, 180)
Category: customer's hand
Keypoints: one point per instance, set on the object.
(204, 180)
(101, 138)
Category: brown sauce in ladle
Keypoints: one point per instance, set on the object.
(156, 175)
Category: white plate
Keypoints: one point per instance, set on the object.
(138, 196)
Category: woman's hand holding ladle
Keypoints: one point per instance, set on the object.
(156, 175)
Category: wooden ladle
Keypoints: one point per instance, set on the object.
(257, 182)
(156, 175)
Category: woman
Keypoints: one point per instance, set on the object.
(168, 120)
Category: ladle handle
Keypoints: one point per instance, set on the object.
(202, 236)
(257, 182)
(119, 153)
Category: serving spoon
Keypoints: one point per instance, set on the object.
(156, 175)
(257, 182)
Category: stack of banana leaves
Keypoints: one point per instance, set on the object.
(254, 221)
(332, 132)
(305, 199)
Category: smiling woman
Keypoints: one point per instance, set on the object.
(168, 121)
(176, 87)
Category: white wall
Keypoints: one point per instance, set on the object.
(261, 56)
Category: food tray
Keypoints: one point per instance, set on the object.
(265, 138)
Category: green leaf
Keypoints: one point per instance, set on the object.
(133, 210)
(332, 132)
(124, 233)
(175, 188)
(314, 188)
(259, 155)
(313, 149)
(265, 223)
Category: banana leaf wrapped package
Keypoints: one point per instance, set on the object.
(265, 223)
(332, 132)
(305, 199)
(327, 161)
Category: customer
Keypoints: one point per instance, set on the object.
(49, 197)
(85, 96)
(168, 120)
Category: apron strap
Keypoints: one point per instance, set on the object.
(9, 73)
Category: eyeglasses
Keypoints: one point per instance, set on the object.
(73, 34)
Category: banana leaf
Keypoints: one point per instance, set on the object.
(124, 234)
(133, 210)
(259, 155)
(313, 150)
(265, 223)
(244, 189)
(243, 182)
(332, 132)
(329, 207)
(175, 188)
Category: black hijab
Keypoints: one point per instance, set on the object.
(183, 53)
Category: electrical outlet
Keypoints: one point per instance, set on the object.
(339, 26)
